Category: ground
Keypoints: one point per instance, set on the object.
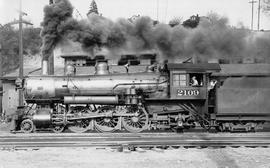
(242, 157)
(4, 127)
(172, 158)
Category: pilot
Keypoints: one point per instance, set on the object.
(194, 81)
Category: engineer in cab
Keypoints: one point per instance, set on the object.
(194, 81)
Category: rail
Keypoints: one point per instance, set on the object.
(135, 140)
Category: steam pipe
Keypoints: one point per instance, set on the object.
(91, 100)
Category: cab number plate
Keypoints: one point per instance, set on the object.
(181, 92)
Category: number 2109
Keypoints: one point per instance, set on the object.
(188, 92)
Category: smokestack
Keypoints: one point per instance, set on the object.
(45, 67)
(195, 59)
(51, 64)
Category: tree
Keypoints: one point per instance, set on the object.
(9, 40)
(93, 8)
(10, 48)
(192, 22)
(31, 37)
(175, 21)
(266, 6)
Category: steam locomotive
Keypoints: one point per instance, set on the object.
(174, 96)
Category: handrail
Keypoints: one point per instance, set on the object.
(119, 84)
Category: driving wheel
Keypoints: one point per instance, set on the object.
(78, 125)
(138, 122)
(108, 123)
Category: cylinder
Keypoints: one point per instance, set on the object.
(91, 100)
(42, 118)
(45, 67)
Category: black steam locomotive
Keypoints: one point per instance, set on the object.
(175, 96)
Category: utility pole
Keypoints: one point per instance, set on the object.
(157, 8)
(259, 13)
(20, 54)
(1, 84)
(20, 22)
(252, 9)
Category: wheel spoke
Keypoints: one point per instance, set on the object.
(140, 124)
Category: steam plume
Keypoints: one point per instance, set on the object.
(213, 38)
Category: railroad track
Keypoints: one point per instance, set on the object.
(162, 140)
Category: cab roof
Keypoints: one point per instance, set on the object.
(213, 67)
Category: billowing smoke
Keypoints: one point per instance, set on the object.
(54, 15)
(212, 38)
(215, 39)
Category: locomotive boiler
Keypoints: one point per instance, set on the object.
(176, 96)
(101, 88)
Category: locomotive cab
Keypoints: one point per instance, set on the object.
(190, 81)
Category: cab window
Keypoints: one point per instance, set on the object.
(196, 79)
(179, 79)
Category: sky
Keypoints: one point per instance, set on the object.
(238, 11)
